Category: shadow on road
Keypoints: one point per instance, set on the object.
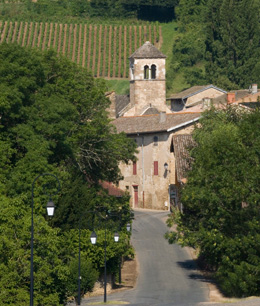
(201, 275)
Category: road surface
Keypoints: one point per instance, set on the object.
(167, 274)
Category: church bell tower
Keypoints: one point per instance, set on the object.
(147, 79)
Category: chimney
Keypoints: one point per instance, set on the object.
(231, 97)
(254, 89)
(162, 117)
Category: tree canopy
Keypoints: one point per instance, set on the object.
(110, 9)
(222, 199)
(53, 119)
(232, 43)
(217, 42)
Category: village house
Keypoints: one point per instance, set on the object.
(244, 97)
(145, 117)
(196, 95)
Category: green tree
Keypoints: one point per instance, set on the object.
(232, 43)
(53, 119)
(50, 272)
(189, 44)
(190, 11)
(222, 199)
(89, 276)
(53, 114)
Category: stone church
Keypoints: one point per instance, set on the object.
(145, 117)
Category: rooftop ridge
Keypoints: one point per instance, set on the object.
(147, 50)
(178, 113)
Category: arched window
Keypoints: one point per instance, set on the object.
(155, 140)
(146, 72)
(153, 68)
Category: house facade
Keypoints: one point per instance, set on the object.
(151, 180)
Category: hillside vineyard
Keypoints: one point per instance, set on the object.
(103, 49)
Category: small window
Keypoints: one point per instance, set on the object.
(153, 70)
(146, 72)
(134, 168)
(155, 140)
(155, 167)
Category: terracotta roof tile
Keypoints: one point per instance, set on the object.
(112, 189)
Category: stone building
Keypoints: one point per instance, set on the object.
(145, 117)
(194, 96)
(151, 180)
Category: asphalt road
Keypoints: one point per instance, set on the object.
(167, 274)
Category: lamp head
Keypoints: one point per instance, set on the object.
(116, 237)
(166, 167)
(93, 237)
(128, 227)
(50, 208)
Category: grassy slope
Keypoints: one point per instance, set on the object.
(121, 87)
(169, 31)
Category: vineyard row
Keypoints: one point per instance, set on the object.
(103, 49)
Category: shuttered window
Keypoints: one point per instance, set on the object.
(155, 167)
(134, 168)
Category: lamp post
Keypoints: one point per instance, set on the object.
(50, 211)
(116, 239)
(93, 239)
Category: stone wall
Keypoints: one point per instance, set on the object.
(153, 190)
(209, 93)
(147, 92)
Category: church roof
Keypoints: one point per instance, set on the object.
(154, 123)
(147, 50)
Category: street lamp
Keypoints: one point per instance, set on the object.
(50, 208)
(93, 239)
(50, 212)
(128, 227)
(166, 167)
(116, 239)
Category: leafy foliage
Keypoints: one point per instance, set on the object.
(94, 8)
(221, 200)
(88, 276)
(218, 43)
(50, 272)
(53, 120)
(232, 42)
(189, 44)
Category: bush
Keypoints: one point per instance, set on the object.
(89, 276)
